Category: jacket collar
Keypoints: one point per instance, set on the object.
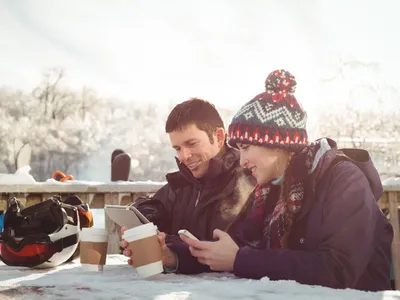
(219, 166)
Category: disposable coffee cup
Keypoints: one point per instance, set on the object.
(145, 248)
(93, 249)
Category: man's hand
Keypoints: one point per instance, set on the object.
(219, 255)
(168, 257)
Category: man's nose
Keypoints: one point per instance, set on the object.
(184, 154)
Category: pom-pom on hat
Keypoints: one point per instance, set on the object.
(273, 118)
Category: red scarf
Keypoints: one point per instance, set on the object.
(278, 218)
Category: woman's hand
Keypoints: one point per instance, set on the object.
(219, 255)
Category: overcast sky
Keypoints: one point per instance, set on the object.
(221, 50)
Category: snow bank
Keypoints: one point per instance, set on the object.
(21, 176)
(120, 281)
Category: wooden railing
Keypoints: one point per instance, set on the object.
(390, 199)
(96, 194)
(122, 193)
(92, 193)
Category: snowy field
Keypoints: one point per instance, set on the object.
(120, 281)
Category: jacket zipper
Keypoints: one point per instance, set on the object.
(197, 199)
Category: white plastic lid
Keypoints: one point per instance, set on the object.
(135, 232)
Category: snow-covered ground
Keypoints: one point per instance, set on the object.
(120, 281)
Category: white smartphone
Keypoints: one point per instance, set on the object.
(187, 234)
(127, 216)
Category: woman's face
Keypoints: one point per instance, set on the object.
(264, 163)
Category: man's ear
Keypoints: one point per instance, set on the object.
(220, 133)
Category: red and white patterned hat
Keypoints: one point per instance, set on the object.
(273, 118)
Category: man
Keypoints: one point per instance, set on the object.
(210, 187)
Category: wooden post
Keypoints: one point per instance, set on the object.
(87, 198)
(394, 220)
(383, 201)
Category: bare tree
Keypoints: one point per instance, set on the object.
(63, 127)
(369, 119)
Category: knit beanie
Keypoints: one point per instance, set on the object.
(273, 118)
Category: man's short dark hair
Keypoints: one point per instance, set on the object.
(195, 111)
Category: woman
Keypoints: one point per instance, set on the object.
(313, 216)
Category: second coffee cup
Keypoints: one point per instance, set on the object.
(145, 248)
(93, 248)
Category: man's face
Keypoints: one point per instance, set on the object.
(194, 149)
